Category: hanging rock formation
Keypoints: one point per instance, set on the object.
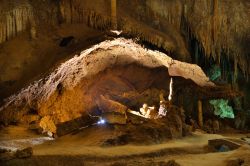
(77, 86)
(95, 13)
(221, 27)
(214, 31)
(14, 20)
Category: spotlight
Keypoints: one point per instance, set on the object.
(101, 121)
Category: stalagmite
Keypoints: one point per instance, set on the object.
(200, 116)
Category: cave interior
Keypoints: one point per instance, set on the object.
(97, 73)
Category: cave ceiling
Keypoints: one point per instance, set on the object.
(31, 32)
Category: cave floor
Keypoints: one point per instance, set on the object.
(72, 150)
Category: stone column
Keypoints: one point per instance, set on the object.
(200, 116)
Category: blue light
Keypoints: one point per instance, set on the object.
(102, 121)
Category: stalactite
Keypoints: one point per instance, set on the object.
(235, 73)
(2, 33)
(172, 12)
(113, 14)
(74, 12)
(196, 53)
(214, 21)
(209, 22)
(13, 22)
(217, 36)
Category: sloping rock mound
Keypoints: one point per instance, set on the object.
(98, 80)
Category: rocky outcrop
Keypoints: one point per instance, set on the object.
(83, 84)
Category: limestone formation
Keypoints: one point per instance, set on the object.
(214, 36)
(14, 22)
(186, 30)
(82, 94)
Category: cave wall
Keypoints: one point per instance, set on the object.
(31, 33)
(218, 26)
(14, 18)
(19, 16)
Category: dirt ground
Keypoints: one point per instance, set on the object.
(80, 149)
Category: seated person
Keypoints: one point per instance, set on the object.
(146, 111)
(162, 110)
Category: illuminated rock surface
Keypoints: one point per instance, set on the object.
(91, 98)
(76, 87)
(191, 31)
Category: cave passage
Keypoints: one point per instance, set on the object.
(130, 85)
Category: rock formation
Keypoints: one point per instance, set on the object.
(203, 32)
(78, 86)
(14, 20)
(196, 31)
